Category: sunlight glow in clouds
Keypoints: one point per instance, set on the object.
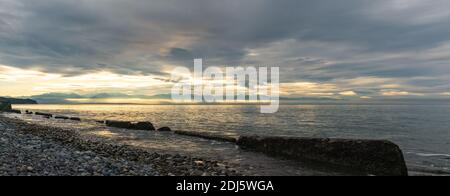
(399, 93)
(310, 89)
(36, 82)
(347, 49)
(12, 74)
(348, 93)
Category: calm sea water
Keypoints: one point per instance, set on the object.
(422, 131)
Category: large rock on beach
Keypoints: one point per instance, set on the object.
(46, 115)
(372, 157)
(62, 117)
(118, 124)
(143, 126)
(75, 118)
(14, 111)
(4, 106)
(147, 126)
(164, 129)
(209, 136)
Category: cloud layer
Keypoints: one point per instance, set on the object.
(353, 48)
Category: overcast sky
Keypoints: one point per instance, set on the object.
(324, 48)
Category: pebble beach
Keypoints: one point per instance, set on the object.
(34, 150)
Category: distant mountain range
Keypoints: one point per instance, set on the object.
(67, 98)
(60, 98)
(17, 101)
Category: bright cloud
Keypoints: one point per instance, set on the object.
(307, 89)
(348, 93)
(37, 82)
(395, 93)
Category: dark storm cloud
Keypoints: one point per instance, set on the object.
(319, 40)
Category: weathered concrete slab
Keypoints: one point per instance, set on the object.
(75, 118)
(375, 157)
(62, 117)
(164, 129)
(46, 115)
(147, 126)
(207, 136)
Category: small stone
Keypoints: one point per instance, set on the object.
(221, 165)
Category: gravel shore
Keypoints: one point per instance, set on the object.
(34, 150)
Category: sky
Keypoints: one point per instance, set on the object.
(360, 49)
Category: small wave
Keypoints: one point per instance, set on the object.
(415, 170)
(432, 155)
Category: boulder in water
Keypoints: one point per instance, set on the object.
(209, 136)
(147, 126)
(75, 118)
(118, 124)
(44, 114)
(164, 129)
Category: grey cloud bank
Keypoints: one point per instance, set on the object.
(369, 47)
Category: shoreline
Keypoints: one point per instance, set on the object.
(89, 156)
(324, 154)
(348, 156)
(238, 161)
